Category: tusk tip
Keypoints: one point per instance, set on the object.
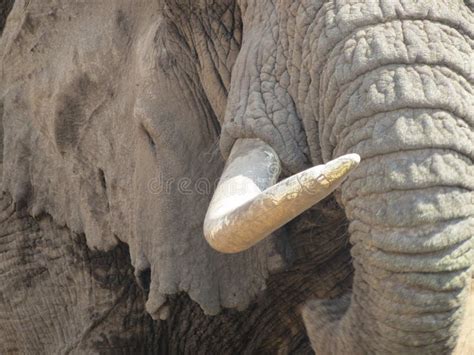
(339, 168)
(352, 159)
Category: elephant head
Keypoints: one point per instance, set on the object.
(116, 134)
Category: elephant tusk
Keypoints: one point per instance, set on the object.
(247, 205)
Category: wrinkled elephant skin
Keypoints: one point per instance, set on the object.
(116, 121)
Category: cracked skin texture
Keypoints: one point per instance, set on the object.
(100, 125)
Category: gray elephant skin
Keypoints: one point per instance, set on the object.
(117, 116)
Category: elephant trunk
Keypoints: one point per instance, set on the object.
(406, 107)
(412, 254)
